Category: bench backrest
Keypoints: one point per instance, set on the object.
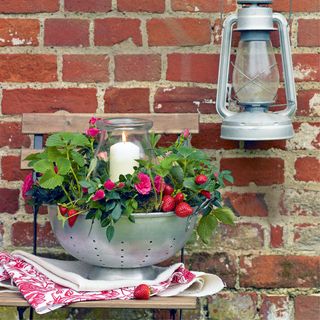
(38, 124)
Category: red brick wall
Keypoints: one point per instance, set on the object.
(162, 56)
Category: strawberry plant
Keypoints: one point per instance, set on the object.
(72, 172)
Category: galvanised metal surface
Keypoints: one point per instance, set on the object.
(153, 238)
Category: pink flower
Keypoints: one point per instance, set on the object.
(109, 185)
(186, 133)
(92, 132)
(216, 174)
(98, 195)
(159, 184)
(120, 185)
(103, 156)
(144, 186)
(27, 185)
(93, 121)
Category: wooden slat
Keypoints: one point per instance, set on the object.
(15, 299)
(78, 122)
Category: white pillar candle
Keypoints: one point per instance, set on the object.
(123, 157)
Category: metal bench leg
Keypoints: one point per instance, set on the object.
(21, 311)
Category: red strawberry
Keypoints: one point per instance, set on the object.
(55, 168)
(63, 210)
(183, 210)
(142, 292)
(179, 197)
(168, 190)
(206, 193)
(200, 179)
(73, 216)
(168, 203)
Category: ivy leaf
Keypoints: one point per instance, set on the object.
(50, 180)
(206, 226)
(225, 215)
(110, 232)
(64, 166)
(42, 165)
(78, 158)
(116, 212)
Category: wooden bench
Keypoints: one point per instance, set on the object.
(39, 124)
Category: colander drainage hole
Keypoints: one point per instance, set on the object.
(149, 249)
(147, 256)
(122, 256)
(93, 240)
(150, 241)
(143, 260)
(98, 255)
(174, 239)
(171, 246)
(71, 237)
(122, 249)
(122, 242)
(95, 248)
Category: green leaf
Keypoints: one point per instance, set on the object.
(50, 180)
(116, 212)
(166, 163)
(206, 226)
(177, 174)
(229, 178)
(110, 232)
(225, 215)
(55, 140)
(78, 158)
(78, 139)
(110, 205)
(53, 153)
(85, 184)
(33, 156)
(93, 164)
(185, 151)
(64, 166)
(43, 165)
(190, 184)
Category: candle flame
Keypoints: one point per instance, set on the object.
(124, 136)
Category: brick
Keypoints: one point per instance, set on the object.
(19, 32)
(308, 103)
(193, 67)
(11, 135)
(85, 68)
(22, 235)
(300, 202)
(306, 137)
(203, 5)
(19, 101)
(247, 204)
(275, 307)
(127, 100)
(178, 32)
(87, 5)
(276, 236)
(185, 99)
(233, 305)
(10, 166)
(306, 237)
(243, 236)
(111, 31)
(261, 171)
(28, 68)
(146, 67)
(297, 6)
(209, 138)
(9, 200)
(307, 169)
(42, 210)
(307, 307)
(154, 6)
(308, 33)
(66, 32)
(306, 67)
(219, 263)
(28, 6)
(279, 271)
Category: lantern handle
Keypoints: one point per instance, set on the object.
(287, 67)
(224, 67)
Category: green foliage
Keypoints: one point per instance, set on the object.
(71, 173)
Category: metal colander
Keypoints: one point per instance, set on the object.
(153, 238)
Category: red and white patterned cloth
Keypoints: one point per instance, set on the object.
(44, 295)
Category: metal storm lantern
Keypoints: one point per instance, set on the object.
(255, 76)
